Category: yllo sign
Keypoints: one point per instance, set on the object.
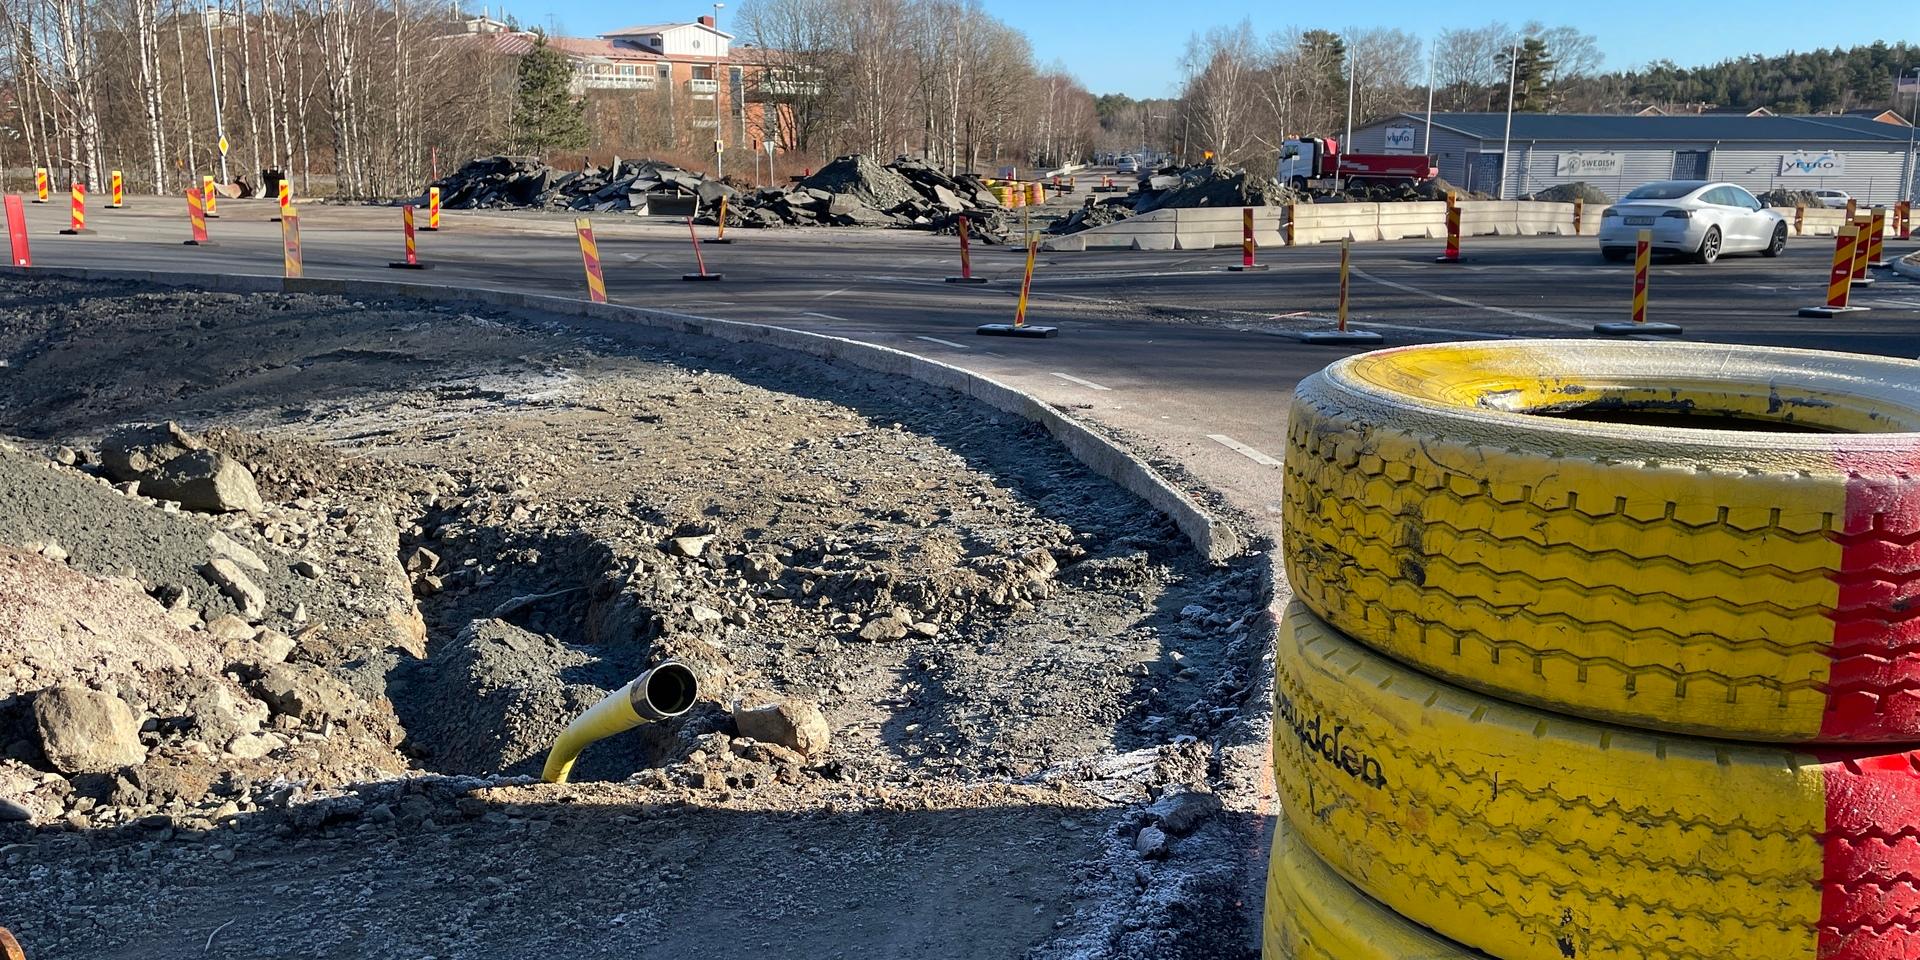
(1400, 140)
(1801, 163)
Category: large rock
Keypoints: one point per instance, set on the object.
(797, 725)
(235, 583)
(134, 452)
(205, 480)
(305, 692)
(86, 731)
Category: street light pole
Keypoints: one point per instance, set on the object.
(1427, 147)
(213, 73)
(719, 151)
(1913, 124)
(1506, 142)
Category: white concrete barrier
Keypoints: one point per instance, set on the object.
(1207, 228)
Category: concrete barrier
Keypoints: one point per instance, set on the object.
(1819, 222)
(1213, 539)
(1208, 228)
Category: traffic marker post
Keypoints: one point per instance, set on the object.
(197, 219)
(40, 185)
(1246, 263)
(1903, 219)
(1286, 229)
(18, 253)
(1642, 264)
(1860, 249)
(412, 262)
(1453, 230)
(1799, 219)
(1579, 208)
(966, 257)
(699, 261)
(590, 259)
(433, 210)
(1019, 327)
(1840, 278)
(207, 196)
(119, 192)
(294, 263)
(720, 223)
(1853, 208)
(77, 219)
(286, 200)
(1877, 238)
(1341, 333)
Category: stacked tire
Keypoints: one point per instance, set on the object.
(1600, 650)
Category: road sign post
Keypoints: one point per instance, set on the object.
(40, 185)
(1579, 208)
(720, 223)
(699, 261)
(285, 199)
(1642, 270)
(18, 253)
(119, 192)
(1020, 327)
(1861, 248)
(197, 219)
(433, 210)
(1799, 219)
(412, 262)
(1246, 263)
(966, 257)
(1453, 230)
(590, 260)
(1840, 277)
(208, 197)
(1342, 333)
(294, 260)
(1877, 238)
(77, 213)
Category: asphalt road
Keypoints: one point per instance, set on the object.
(1181, 357)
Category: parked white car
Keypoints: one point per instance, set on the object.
(1127, 165)
(1833, 199)
(1698, 218)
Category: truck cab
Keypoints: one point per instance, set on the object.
(1316, 163)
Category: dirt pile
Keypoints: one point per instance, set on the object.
(1782, 197)
(1569, 192)
(852, 190)
(1207, 185)
(1095, 213)
(991, 668)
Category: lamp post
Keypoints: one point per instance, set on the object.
(1913, 122)
(219, 122)
(1506, 142)
(719, 151)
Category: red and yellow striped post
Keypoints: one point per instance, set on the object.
(197, 219)
(412, 262)
(966, 255)
(1453, 230)
(1903, 219)
(1286, 236)
(1642, 261)
(1246, 244)
(286, 200)
(720, 222)
(1853, 207)
(1840, 277)
(40, 184)
(1862, 224)
(699, 261)
(1026, 285)
(119, 186)
(1799, 219)
(209, 197)
(294, 264)
(1877, 238)
(19, 254)
(590, 258)
(1579, 209)
(1346, 286)
(77, 212)
(433, 210)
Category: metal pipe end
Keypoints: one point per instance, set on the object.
(667, 690)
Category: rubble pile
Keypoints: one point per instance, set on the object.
(1569, 192)
(1782, 197)
(850, 191)
(1208, 185)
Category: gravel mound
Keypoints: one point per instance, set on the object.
(1782, 197)
(1569, 192)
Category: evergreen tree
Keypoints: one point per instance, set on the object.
(546, 116)
(1531, 70)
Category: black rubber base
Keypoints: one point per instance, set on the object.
(116, 206)
(719, 240)
(403, 265)
(1860, 282)
(966, 279)
(82, 232)
(1628, 328)
(1009, 330)
(1244, 268)
(700, 276)
(198, 243)
(429, 230)
(1444, 259)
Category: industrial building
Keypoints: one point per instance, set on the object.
(1870, 159)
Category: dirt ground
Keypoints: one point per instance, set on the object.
(471, 525)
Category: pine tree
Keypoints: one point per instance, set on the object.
(546, 116)
(1532, 90)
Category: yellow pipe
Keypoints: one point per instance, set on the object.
(667, 690)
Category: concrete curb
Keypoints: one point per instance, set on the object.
(1907, 266)
(1213, 539)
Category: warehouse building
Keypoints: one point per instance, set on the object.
(1872, 160)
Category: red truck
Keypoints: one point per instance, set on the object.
(1317, 163)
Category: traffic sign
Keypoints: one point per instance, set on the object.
(223, 146)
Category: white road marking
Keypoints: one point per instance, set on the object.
(1896, 304)
(1461, 301)
(1089, 384)
(1243, 450)
(949, 343)
(828, 316)
(831, 293)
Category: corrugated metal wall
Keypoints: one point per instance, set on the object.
(1873, 172)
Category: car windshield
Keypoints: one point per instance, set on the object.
(1670, 190)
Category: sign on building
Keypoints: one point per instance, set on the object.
(1400, 140)
(1805, 163)
(1587, 165)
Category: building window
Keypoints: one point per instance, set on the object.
(735, 81)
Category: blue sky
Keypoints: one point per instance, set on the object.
(1133, 46)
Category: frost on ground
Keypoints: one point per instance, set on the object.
(296, 590)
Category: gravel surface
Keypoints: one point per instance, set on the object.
(1044, 710)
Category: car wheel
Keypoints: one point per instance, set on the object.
(1709, 246)
(1616, 254)
(1778, 245)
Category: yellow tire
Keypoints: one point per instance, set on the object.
(1523, 518)
(1313, 913)
(1533, 836)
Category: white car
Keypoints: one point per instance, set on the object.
(1833, 199)
(1698, 218)
(1127, 165)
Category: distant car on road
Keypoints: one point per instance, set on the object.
(1833, 199)
(1127, 165)
(1698, 218)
